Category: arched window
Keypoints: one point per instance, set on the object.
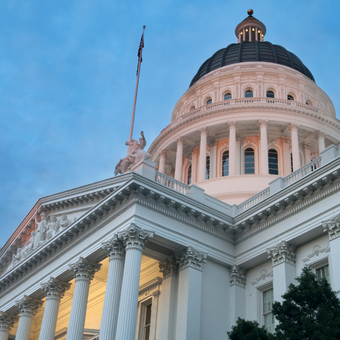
(207, 168)
(225, 163)
(290, 97)
(270, 94)
(249, 161)
(209, 101)
(189, 175)
(273, 162)
(227, 96)
(248, 94)
(192, 108)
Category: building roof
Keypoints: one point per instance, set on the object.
(252, 51)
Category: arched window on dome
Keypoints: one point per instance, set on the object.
(270, 94)
(207, 168)
(227, 96)
(209, 101)
(249, 94)
(290, 97)
(249, 161)
(189, 175)
(192, 108)
(273, 162)
(225, 163)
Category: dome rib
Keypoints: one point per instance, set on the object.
(252, 51)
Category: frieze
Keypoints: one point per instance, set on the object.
(317, 250)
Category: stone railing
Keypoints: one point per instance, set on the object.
(171, 183)
(96, 337)
(303, 171)
(262, 195)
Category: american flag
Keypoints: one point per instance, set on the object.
(140, 48)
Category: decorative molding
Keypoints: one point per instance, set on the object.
(332, 226)
(237, 276)
(135, 237)
(191, 258)
(307, 146)
(55, 289)
(262, 122)
(7, 321)
(28, 305)
(316, 251)
(169, 267)
(263, 274)
(232, 124)
(84, 269)
(293, 126)
(282, 253)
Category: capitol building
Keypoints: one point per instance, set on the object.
(212, 222)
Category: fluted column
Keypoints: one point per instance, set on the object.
(194, 157)
(108, 324)
(321, 141)
(55, 290)
(232, 148)
(6, 323)
(264, 147)
(307, 148)
(295, 146)
(84, 271)
(162, 156)
(286, 156)
(134, 239)
(203, 155)
(28, 307)
(179, 160)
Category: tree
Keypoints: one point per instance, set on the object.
(249, 330)
(310, 310)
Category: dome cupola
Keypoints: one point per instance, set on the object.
(250, 29)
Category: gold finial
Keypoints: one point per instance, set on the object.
(250, 12)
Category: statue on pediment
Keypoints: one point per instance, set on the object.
(28, 248)
(52, 227)
(135, 154)
(63, 223)
(40, 234)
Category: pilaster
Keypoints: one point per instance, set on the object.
(264, 146)
(295, 146)
(232, 147)
(237, 294)
(286, 155)
(203, 154)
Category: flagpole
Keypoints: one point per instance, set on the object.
(136, 90)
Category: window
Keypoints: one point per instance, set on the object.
(268, 316)
(189, 175)
(252, 34)
(207, 168)
(290, 97)
(248, 94)
(192, 108)
(273, 162)
(249, 161)
(270, 94)
(147, 322)
(323, 272)
(227, 96)
(291, 163)
(241, 36)
(209, 101)
(225, 163)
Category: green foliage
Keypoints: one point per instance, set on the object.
(310, 310)
(249, 330)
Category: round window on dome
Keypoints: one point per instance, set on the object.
(209, 101)
(249, 94)
(270, 94)
(227, 96)
(290, 97)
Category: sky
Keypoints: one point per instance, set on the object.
(68, 73)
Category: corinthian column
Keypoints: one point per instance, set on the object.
(28, 307)
(179, 160)
(134, 239)
(55, 290)
(264, 147)
(84, 271)
(232, 148)
(321, 141)
(6, 323)
(113, 288)
(203, 155)
(194, 157)
(295, 146)
(162, 156)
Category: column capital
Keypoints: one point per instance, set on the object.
(84, 269)
(332, 226)
(168, 267)
(232, 124)
(7, 321)
(320, 134)
(212, 142)
(135, 237)
(163, 153)
(282, 253)
(203, 130)
(293, 126)
(28, 305)
(195, 150)
(191, 258)
(262, 122)
(237, 276)
(180, 140)
(115, 248)
(306, 146)
(55, 289)
(285, 139)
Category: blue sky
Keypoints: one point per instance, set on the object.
(67, 78)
